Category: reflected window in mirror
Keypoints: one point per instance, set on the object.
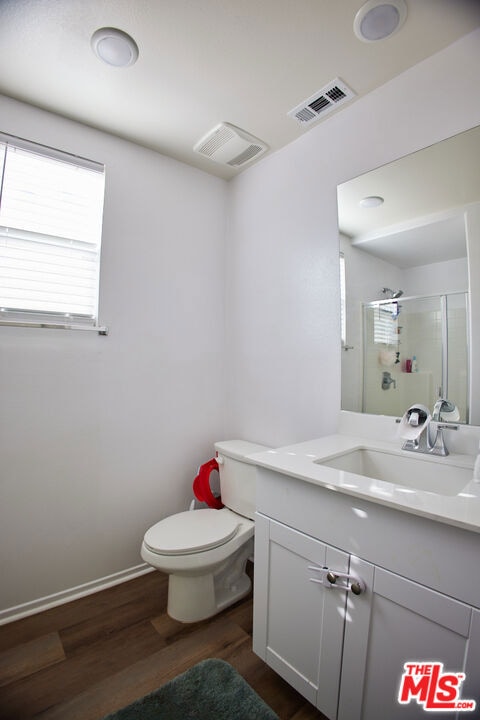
(385, 324)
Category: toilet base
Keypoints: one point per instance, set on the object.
(192, 598)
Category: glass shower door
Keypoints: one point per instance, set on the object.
(414, 351)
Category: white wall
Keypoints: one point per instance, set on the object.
(102, 436)
(449, 276)
(282, 263)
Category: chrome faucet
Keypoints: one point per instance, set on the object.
(426, 442)
(438, 446)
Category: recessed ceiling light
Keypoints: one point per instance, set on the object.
(377, 20)
(114, 47)
(371, 201)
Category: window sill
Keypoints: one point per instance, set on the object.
(101, 330)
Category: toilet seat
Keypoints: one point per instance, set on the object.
(191, 532)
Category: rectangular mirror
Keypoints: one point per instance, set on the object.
(409, 240)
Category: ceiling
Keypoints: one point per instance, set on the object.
(420, 221)
(202, 62)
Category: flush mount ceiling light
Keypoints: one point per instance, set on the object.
(371, 201)
(114, 47)
(377, 20)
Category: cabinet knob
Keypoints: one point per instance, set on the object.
(357, 587)
(332, 578)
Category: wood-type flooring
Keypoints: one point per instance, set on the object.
(87, 658)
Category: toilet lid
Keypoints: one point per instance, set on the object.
(190, 532)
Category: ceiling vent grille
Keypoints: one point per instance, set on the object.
(330, 97)
(229, 145)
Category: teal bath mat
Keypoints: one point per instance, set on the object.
(211, 690)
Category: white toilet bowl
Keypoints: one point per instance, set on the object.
(205, 553)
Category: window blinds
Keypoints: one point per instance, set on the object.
(51, 208)
(385, 324)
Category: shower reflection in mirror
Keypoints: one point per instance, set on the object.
(422, 344)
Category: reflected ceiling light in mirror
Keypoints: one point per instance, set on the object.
(360, 513)
(371, 201)
(378, 20)
(114, 47)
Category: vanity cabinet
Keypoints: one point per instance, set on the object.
(298, 625)
(345, 652)
(398, 621)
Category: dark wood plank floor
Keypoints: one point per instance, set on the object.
(87, 658)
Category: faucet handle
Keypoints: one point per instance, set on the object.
(439, 447)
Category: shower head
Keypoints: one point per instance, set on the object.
(391, 294)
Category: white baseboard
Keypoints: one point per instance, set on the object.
(35, 606)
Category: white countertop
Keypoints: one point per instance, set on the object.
(298, 461)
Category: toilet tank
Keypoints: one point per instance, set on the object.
(237, 475)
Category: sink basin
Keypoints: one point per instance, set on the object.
(416, 472)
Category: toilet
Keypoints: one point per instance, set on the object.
(205, 551)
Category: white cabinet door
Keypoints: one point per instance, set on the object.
(299, 623)
(394, 622)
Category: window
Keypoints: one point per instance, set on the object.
(51, 208)
(385, 324)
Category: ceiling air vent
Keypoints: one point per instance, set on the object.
(322, 102)
(229, 145)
